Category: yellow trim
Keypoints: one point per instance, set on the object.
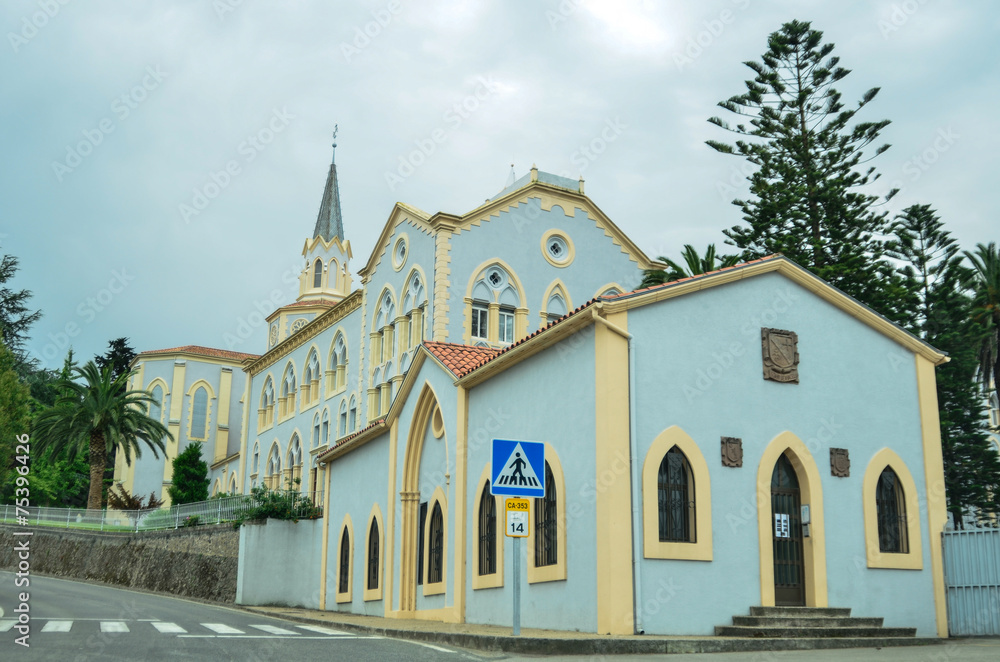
(913, 559)
(159, 381)
(557, 571)
(289, 412)
(615, 604)
(314, 397)
(390, 534)
(520, 311)
(811, 493)
(701, 549)
(410, 495)
(571, 250)
(461, 487)
(222, 428)
(345, 596)
(325, 549)
(607, 286)
(555, 286)
(376, 515)
(405, 239)
(269, 376)
(442, 284)
(496, 579)
(937, 513)
(797, 275)
(378, 307)
(333, 388)
(437, 588)
(210, 392)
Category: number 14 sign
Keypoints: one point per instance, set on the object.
(517, 518)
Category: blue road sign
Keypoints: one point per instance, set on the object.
(518, 468)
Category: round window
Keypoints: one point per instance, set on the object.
(273, 336)
(496, 278)
(557, 248)
(298, 324)
(399, 253)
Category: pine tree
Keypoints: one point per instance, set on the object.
(942, 315)
(190, 481)
(807, 191)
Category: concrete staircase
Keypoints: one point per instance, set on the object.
(812, 627)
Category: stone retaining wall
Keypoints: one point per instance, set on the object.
(198, 562)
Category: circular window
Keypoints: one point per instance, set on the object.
(557, 248)
(399, 251)
(273, 336)
(298, 324)
(496, 278)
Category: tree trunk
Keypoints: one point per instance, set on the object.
(98, 458)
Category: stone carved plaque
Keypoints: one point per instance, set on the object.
(732, 452)
(840, 462)
(780, 351)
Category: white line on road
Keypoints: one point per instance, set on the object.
(168, 628)
(274, 636)
(57, 626)
(273, 629)
(431, 646)
(322, 630)
(221, 628)
(113, 626)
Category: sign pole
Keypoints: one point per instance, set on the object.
(517, 587)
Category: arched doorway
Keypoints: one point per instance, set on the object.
(789, 575)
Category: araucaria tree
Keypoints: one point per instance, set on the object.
(985, 283)
(94, 414)
(190, 479)
(807, 197)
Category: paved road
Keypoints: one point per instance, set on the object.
(78, 622)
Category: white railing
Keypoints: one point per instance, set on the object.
(213, 511)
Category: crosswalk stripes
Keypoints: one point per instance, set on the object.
(114, 626)
(168, 628)
(55, 626)
(221, 628)
(273, 629)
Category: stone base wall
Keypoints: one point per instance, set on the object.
(197, 562)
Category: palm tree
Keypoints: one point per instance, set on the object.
(694, 264)
(986, 310)
(96, 415)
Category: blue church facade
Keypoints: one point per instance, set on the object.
(752, 434)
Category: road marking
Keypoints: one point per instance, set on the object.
(168, 628)
(322, 630)
(113, 626)
(273, 629)
(57, 626)
(6, 625)
(275, 636)
(431, 646)
(222, 628)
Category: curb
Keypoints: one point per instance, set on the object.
(602, 646)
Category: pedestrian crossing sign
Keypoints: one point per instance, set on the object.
(518, 468)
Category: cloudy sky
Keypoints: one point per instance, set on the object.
(164, 161)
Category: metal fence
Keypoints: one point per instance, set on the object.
(972, 581)
(213, 511)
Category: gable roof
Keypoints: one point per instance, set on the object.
(201, 351)
(459, 359)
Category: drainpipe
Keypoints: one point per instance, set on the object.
(634, 467)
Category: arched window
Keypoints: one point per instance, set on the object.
(199, 414)
(373, 558)
(676, 498)
(265, 415)
(343, 418)
(315, 434)
(294, 463)
(337, 375)
(343, 583)
(890, 504)
(273, 474)
(232, 484)
(325, 435)
(352, 419)
(156, 406)
(288, 391)
(256, 459)
(495, 311)
(310, 379)
(546, 524)
(487, 532)
(414, 306)
(435, 553)
(318, 273)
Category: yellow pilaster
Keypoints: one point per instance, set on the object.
(937, 513)
(390, 518)
(615, 607)
(174, 425)
(461, 486)
(222, 431)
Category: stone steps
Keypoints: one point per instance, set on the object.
(813, 624)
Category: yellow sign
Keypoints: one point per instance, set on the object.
(517, 521)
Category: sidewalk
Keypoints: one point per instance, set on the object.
(556, 642)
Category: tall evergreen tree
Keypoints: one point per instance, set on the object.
(15, 318)
(808, 198)
(15, 418)
(118, 357)
(934, 273)
(985, 281)
(190, 478)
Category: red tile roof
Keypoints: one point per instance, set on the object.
(314, 302)
(204, 351)
(460, 359)
(377, 422)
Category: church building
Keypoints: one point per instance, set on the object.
(750, 436)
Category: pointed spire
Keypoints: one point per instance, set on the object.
(329, 223)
